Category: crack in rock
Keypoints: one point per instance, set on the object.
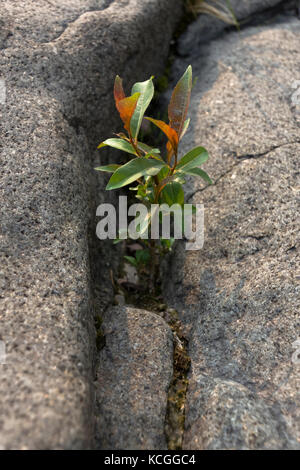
(241, 159)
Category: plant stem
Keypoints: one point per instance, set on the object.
(134, 145)
(175, 163)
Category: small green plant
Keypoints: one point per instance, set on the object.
(141, 258)
(159, 175)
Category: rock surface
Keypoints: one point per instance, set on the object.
(136, 367)
(208, 27)
(31, 21)
(59, 60)
(239, 296)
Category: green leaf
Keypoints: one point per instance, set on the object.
(146, 148)
(167, 243)
(163, 173)
(142, 190)
(146, 90)
(131, 260)
(109, 168)
(178, 177)
(133, 170)
(192, 159)
(118, 240)
(172, 194)
(180, 101)
(119, 144)
(153, 155)
(142, 256)
(149, 151)
(185, 127)
(199, 172)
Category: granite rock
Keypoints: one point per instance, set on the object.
(59, 60)
(208, 27)
(239, 296)
(135, 370)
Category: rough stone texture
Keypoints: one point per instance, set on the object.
(41, 21)
(136, 367)
(59, 61)
(239, 296)
(207, 27)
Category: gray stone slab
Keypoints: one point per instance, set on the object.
(242, 80)
(44, 20)
(239, 296)
(136, 367)
(59, 60)
(208, 27)
(232, 417)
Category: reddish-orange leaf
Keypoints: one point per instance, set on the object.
(180, 101)
(126, 108)
(170, 133)
(170, 151)
(118, 89)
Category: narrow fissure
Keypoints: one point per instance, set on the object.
(137, 295)
(240, 160)
(176, 404)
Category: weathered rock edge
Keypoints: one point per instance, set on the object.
(135, 370)
(58, 107)
(207, 27)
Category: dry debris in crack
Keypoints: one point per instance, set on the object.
(175, 416)
(133, 294)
